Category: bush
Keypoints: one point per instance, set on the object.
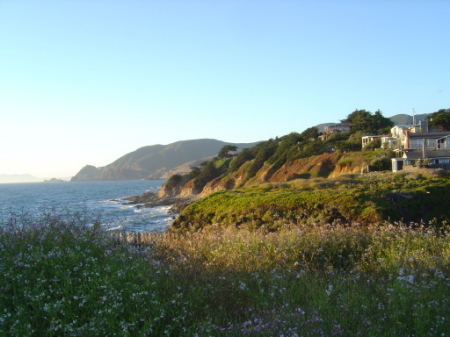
(374, 144)
(173, 181)
(381, 164)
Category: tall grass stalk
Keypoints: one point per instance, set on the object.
(64, 276)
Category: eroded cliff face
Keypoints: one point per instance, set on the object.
(322, 166)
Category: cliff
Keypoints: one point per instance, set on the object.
(328, 165)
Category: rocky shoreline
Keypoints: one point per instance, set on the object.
(150, 199)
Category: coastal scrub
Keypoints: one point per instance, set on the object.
(62, 275)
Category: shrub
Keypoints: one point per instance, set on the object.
(381, 164)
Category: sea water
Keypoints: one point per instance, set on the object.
(97, 198)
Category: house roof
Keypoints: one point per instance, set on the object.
(429, 135)
(415, 155)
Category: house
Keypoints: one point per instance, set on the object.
(428, 158)
(412, 137)
(406, 141)
(388, 142)
(416, 148)
(367, 139)
(334, 128)
(427, 140)
(330, 129)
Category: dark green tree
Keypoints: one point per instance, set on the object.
(173, 181)
(310, 133)
(440, 119)
(195, 171)
(366, 122)
(208, 172)
(360, 120)
(381, 164)
(381, 124)
(374, 144)
(226, 150)
(264, 152)
(244, 156)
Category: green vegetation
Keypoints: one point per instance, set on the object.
(173, 181)
(369, 199)
(61, 276)
(365, 121)
(362, 255)
(264, 160)
(440, 119)
(226, 151)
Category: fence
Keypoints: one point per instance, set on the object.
(138, 239)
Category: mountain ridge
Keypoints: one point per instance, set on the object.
(155, 161)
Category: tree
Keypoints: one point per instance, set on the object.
(374, 144)
(310, 133)
(245, 155)
(365, 121)
(381, 164)
(360, 120)
(381, 123)
(226, 150)
(208, 172)
(173, 181)
(440, 119)
(195, 171)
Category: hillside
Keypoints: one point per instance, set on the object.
(316, 178)
(277, 160)
(162, 161)
(296, 155)
(155, 161)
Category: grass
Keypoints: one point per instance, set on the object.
(371, 198)
(61, 275)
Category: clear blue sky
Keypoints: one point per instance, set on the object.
(85, 82)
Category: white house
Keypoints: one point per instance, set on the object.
(367, 139)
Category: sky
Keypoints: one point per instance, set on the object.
(86, 82)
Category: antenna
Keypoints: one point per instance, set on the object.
(414, 117)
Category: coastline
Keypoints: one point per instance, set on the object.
(150, 199)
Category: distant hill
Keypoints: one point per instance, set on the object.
(403, 119)
(18, 178)
(156, 161)
(399, 119)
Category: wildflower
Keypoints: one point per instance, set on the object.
(242, 285)
(300, 311)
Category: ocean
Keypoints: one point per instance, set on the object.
(97, 198)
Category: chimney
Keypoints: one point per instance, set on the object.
(407, 141)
